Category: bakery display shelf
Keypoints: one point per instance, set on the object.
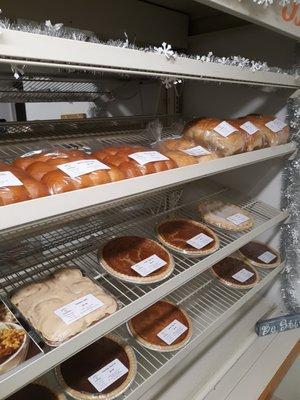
(32, 211)
(48, 88)
(82, 252)
(209, 304)
(46, 51)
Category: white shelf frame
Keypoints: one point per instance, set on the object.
(47, 51)
(57, 355)
(33, 210)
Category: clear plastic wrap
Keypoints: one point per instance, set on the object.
(63, 304)
(225, 215)
(17, 186)
(274, 130)
(66, 170)
(254, 137)
(133, 160)
(188, 237)
(215, 135)
(235, 273)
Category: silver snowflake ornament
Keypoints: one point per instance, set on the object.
(166, 50)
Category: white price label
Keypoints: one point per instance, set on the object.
(238, 218)
(249, 128)
(107, 375)
(200, 241)
(149, 265)
(172, 332)
(243, 275)
(267, 257)
(225, 129)
(78, 308)
(196, 151)
(7, 178)
(276, 125)
(31, 153)
(81, 167)
(144, 157)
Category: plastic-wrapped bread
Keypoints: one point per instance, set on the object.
(215, 135)
(64, 304)
(180, 158)
(254, 138)
(174, 143)
(275, 131)
(17, 186)
(135, 161)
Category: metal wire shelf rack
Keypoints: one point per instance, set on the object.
(76, 243)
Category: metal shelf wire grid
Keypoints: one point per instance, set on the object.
(105, 131)
(206, 301)
(45, 248)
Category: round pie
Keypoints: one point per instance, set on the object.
(235, 273)
(109, 352)
(136, 259)
(225, 215)
(188, 237)
(260, 255)
(161, 327)
(36, 391)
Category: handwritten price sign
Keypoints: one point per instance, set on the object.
(291, 14)
(278, 324)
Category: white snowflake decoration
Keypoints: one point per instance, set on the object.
(17, 71)
(169, 82)
(55, 27)
(166, 50)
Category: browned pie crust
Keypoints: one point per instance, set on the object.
(145, 326)
(37, 391)
(174, 233)
(118, 256)
(254, 249)
(73, 374)
(224, 269)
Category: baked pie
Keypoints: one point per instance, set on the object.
(101, 371)
(188, 237)
(161, 327)
(136, 259)
(225, 215)
(235, 273)
(36, 391)
(260, 255)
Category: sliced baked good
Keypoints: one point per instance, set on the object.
(225, 215)
(254, 138)
(215, 135)
(101, 371)
(177, 143)
(186, 236)
(54, 306)
(37, 391)
(161, 327)
(136, 259)
(260, 255)
(235, 273)
(180, 158)
(274, 130)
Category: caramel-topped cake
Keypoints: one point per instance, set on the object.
(136, 259)
(103, 370)
(161, 327)
(36, 391)
(188, 237)
(260, 255)
(235, 273)
(63, 304)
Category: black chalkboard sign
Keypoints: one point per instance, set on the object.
(278, 324)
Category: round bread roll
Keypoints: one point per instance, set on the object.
(115, 174)
(270, 138)
(38, 169)
(203, 133)
(58, 182)
(180, 158)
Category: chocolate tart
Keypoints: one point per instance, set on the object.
(225, 269)
(37, 391)
(145, 326)
(73, 374)
(216, 212)
(255, 249)
(174, 234)
(119, 255)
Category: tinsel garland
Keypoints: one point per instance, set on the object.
(267, 3)
(291, 230)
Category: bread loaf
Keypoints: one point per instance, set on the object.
(179, 143)
(180, 158)
(275, 132)
(204, 132)
(254, 138)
